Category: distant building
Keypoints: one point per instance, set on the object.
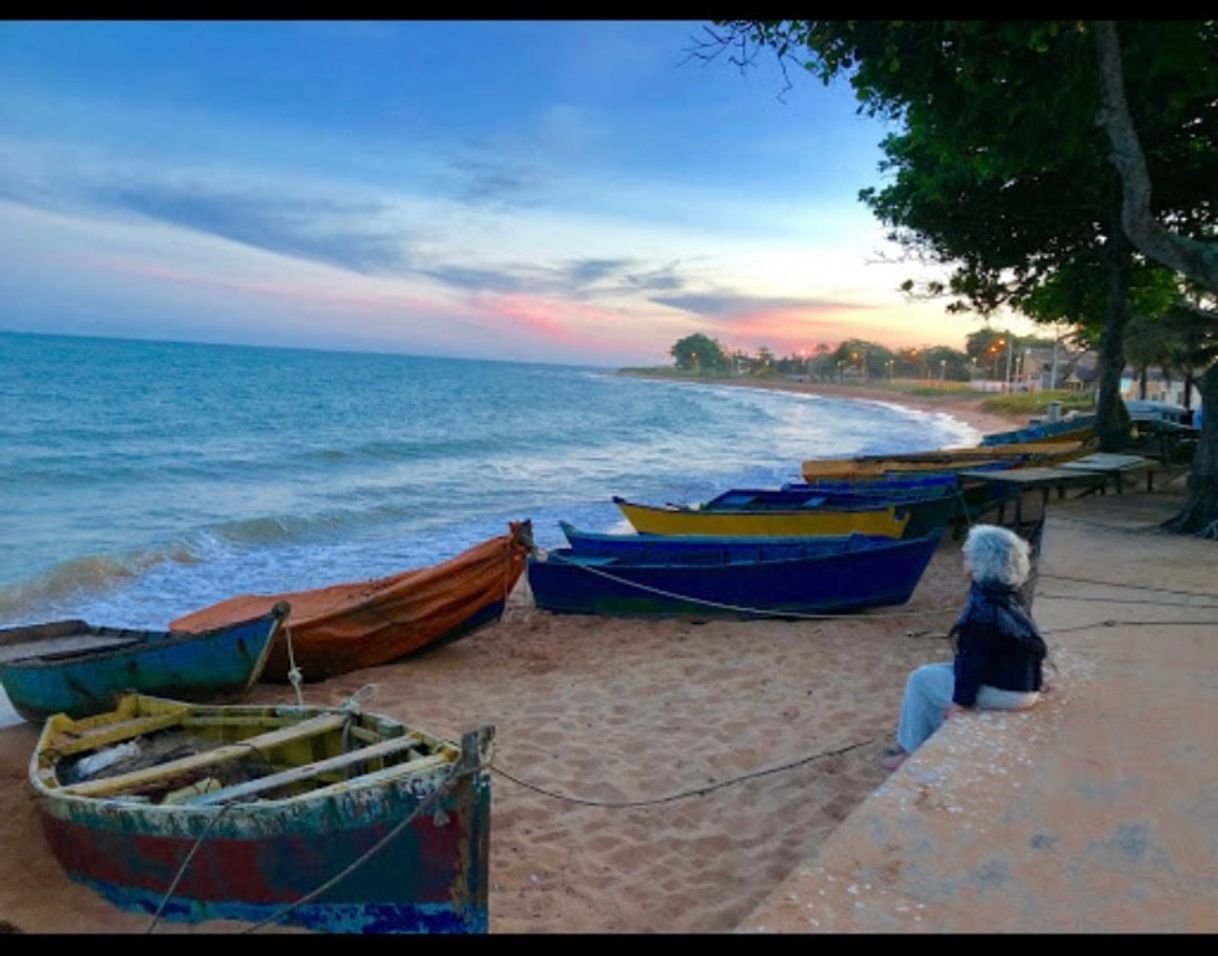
(1159, 388)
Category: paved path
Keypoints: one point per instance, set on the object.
(1095, 812)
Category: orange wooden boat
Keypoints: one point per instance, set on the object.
(345, 627)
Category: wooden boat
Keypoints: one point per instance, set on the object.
(273, 803)
(78, 669)
(885, 483)
(950, 459)
(927, 509)
(1067, 429)
(721, 579)
(349, 626)
(654, 548)
(672, 519)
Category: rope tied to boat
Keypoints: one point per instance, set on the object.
(295, 675)
(352, 704)
(760, 612)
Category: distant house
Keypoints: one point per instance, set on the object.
(1082, 372)
(1159, 388)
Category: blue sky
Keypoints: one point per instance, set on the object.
(546, 191)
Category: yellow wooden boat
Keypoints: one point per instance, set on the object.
(649, 519)
(948, 459)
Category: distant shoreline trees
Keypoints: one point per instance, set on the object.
(857, 359)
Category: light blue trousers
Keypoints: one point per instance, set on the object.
(929, 691)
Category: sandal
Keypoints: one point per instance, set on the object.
(893, 751)
(892, 763)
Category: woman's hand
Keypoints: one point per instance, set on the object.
(951, 709)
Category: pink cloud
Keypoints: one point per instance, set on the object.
(786, 332)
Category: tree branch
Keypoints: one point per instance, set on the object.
(1198, 260)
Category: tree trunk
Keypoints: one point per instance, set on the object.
(1111, 418)
(1198, 260)
(1188, 389)
(1201, 515)
(1142, 383)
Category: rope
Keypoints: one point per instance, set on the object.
(185, 863)
(445, 784)
(1114, 623)
(684, 794)
(706, 602)
(1114, 600)
(1128, 586)
(294, 672)
(352, 704)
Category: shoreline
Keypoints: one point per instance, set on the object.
(967, 408)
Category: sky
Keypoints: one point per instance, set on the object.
(572, 192)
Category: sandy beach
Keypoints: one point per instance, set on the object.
(615, 711)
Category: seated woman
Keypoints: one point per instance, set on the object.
(998, 649)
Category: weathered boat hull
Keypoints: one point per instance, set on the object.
(881, 521)
(658, 548)
(192, 666)
(1061, 431)
(951, 459)
(927, 508)
(346, 627)
(697, 585)
(255, 858)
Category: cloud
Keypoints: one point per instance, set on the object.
(486, 181)
(476, 280)
(322, 230)
(591, 270)
(727, 306)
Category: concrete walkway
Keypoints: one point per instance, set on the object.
(1097, 811)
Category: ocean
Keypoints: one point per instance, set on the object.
(142, 480)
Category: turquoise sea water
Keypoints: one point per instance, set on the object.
(143, 480)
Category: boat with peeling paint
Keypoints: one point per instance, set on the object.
(276, 803)
(77, 668)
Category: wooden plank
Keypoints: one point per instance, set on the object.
(1031, 477)
(273, 781)
(136, 778)
(108, 734)
(44, 647)
(388, 775)
(1106, 462)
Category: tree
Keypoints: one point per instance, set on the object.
(699, 352)
(1185, 247)
(997, 169)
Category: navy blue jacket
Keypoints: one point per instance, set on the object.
(997, 643)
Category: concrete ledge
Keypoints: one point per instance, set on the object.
(1097, 811)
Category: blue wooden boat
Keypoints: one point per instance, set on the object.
(729, 581)
(929, 507)
(78, 669)
(1067, 429)
(657, 548)
(198, 812)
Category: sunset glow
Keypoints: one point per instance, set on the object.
(565, 192)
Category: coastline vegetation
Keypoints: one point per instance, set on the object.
(1021, 158)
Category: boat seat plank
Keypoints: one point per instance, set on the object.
(387, 775)
(70, 644)
(273, 781)
(107, 734)
(136, 778)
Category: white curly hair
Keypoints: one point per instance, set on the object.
(996, 554)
